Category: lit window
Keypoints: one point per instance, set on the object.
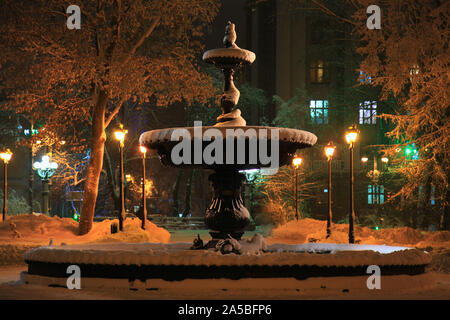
(375, 194)
(368, 112)
(363, 77)
(318, 72)
(319, 111)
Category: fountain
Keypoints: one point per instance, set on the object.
(226, 215)
(226, 148)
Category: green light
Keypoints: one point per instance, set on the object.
(377, 228)
(408, 151)
(76, 217)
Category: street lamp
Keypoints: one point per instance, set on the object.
(329, 152)
(297, 161)
(144, 204)
(120, 136)
(45, 170)
(5, 156)
(350, 137)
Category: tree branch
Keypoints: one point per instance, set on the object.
(114, 113)
(331, 13)
(142, 39)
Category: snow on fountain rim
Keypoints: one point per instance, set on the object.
(319, 254)
(285, 134)
(230, 52)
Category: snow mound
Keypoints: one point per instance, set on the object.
(12, 254)
(38, 230)
(311, 230)
(132, 232)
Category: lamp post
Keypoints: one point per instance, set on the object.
(120, 136)
(329, 152)
(297, 161)
(350, 137)
(144, 204)
(5, 156)
(45, 170)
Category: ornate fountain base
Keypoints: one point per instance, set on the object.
(226, 215)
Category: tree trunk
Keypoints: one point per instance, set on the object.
(95, 164)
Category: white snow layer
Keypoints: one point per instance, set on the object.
(231, 52)
(320, 254)
(285, 134)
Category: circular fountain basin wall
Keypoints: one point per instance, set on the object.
(176, 261)
(241, 146)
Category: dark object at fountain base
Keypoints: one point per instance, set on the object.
(226, 215)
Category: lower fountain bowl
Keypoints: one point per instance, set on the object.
(142, 261)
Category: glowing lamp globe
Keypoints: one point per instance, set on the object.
(119, 135)
(143, 149)
(297, 161)
(329, 150)
(45, 168)
(6, 156)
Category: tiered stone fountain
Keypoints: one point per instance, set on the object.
(226, 215)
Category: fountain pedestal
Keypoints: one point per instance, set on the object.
(226, 215)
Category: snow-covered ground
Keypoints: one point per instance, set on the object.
(19, 234)
(430, 285)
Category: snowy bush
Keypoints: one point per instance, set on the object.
(16, 203)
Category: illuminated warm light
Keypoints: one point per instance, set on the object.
(6, 156)
(129, 178)
(351, 135)
(63, 142)
(329, 150)
(297, 161)
(385, 159)
(120, 135)
(38, 142)
(143, 149)
(364, 159)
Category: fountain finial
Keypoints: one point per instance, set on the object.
(229, 59)
(230, 35)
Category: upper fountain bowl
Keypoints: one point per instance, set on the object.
(237, 148)
(232, 56)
